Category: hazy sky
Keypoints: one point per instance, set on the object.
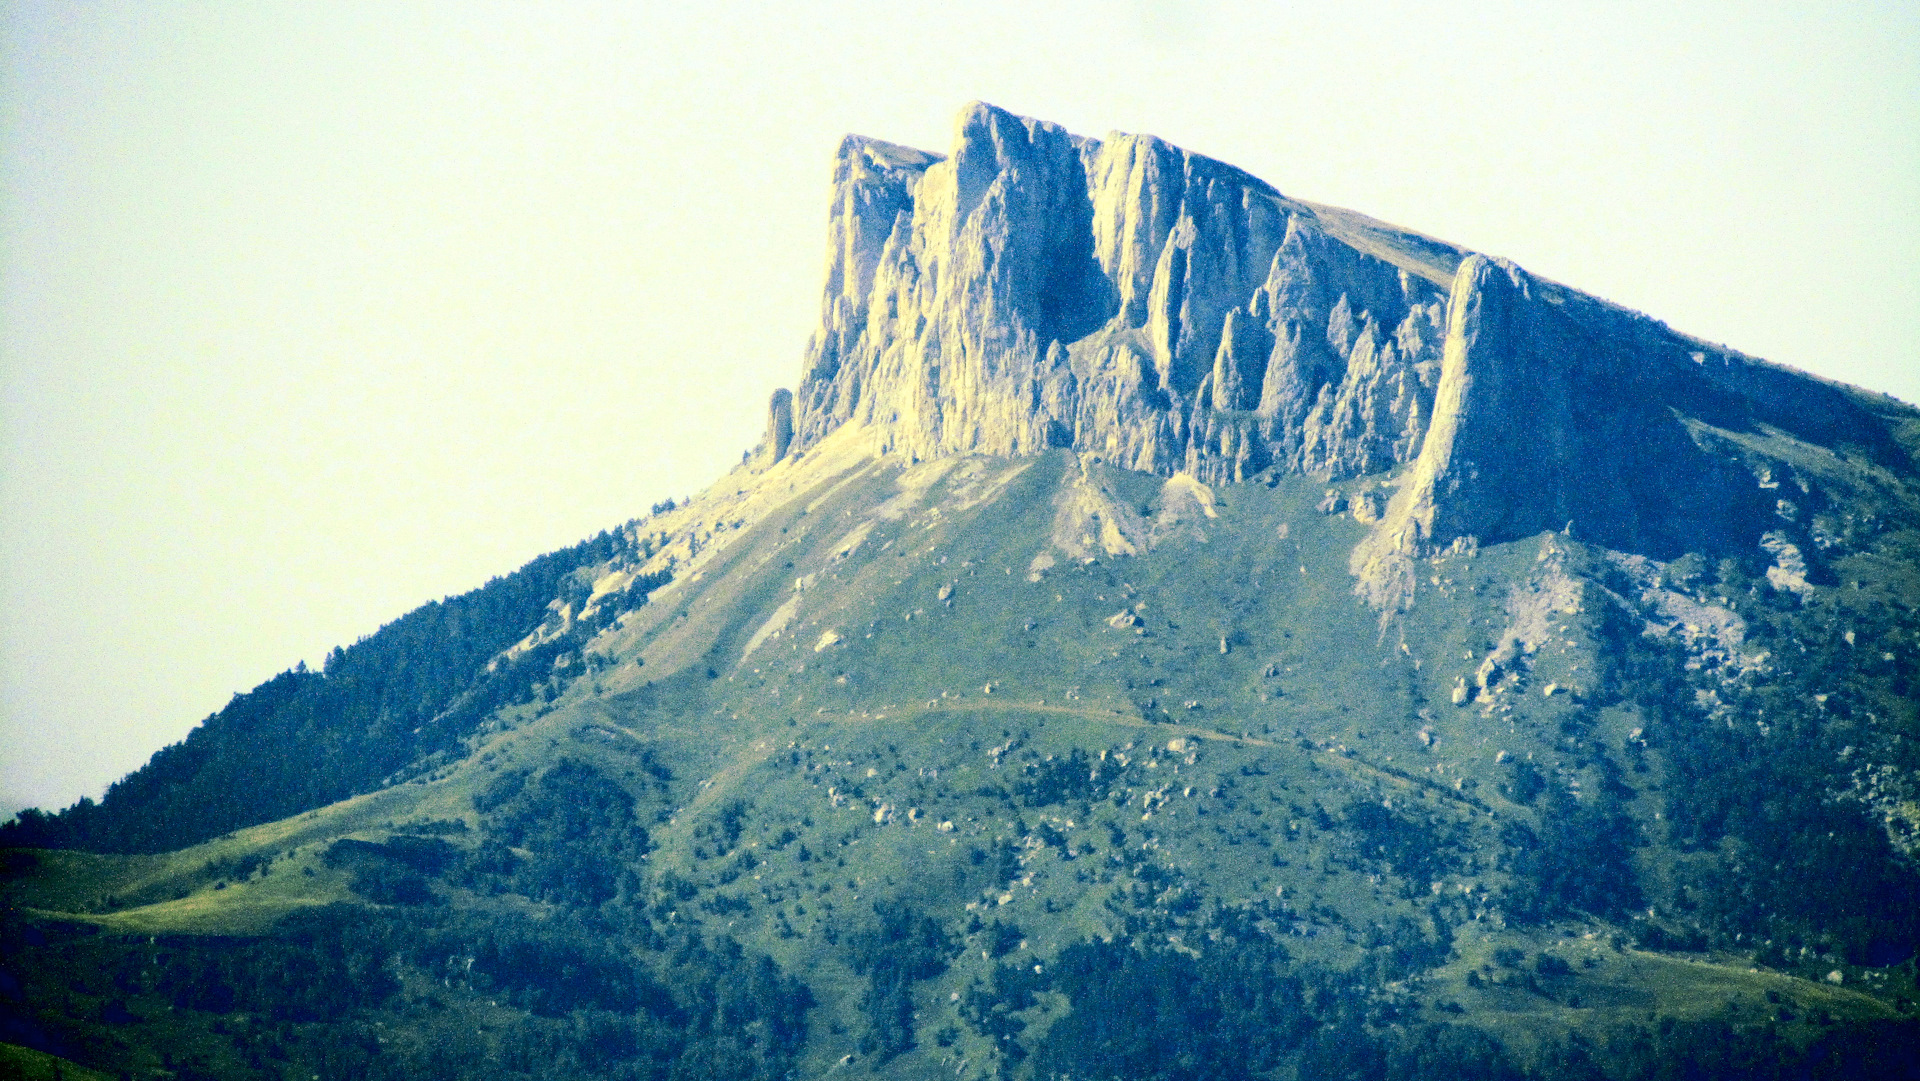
(311, 313)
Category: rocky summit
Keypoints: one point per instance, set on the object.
(1172, 630)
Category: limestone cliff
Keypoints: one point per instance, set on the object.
(779, 437)
(1123, 297)
(1557, 412)
(1166, 312)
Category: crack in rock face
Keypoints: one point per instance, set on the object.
(1157, 310)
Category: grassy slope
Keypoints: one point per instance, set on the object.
(861, 753)
(25, 1064)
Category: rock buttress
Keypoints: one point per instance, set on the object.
(1123, 297)
(1555, 411)
(1169, 313)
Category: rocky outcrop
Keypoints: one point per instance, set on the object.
(948, 283)
(1162, 311)
(1123, 297)
(779, 438)
(1557, 411)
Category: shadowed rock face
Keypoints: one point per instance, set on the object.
(1556, 412)
(779, 437)
(1166, 312)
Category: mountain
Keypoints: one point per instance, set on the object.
(1172, 630)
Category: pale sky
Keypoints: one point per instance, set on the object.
(311, 313)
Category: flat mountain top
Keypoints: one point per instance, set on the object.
(1170, 631)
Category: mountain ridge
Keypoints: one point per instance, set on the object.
(1161, 636)
(1194, 319)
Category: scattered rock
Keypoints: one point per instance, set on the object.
(1789, 571)
(1365, 507)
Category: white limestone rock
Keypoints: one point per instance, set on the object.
(1789, 571)
(1123, 297)
(1156, 310)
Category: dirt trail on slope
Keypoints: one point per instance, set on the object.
(1125, 720)
(1109, 716)
(759, 750)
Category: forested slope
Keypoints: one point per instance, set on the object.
(303, 739)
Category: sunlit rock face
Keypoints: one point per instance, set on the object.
(1169, 313)
(1123, 297)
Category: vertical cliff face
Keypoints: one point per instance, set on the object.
(948, 282)
(1557, 412)
(1122, 297)
(1166, 312)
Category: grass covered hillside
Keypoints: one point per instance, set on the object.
(1038, 768)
